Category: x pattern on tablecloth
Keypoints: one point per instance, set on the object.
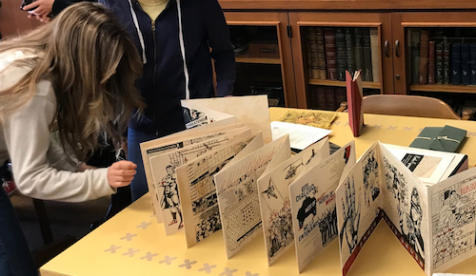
(207, 268)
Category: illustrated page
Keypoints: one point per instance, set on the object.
(197, 187)
(274, 199)
(313, 204)
(358, 205)
(406, 207)
(196, 115)
(429, 166)
(173, 142)
(238, 196)
(163, 170)
(453, 224)
(251, 110)
(311, 162)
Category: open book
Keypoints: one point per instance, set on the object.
(435, 223)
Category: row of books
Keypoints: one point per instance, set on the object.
(460, 105)
(326, 97)
(332, 51)
(439, 59)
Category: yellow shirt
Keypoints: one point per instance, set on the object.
(153, 7)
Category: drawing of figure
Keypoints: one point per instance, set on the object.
(399, 189)
(350, 228)
(170, 199)
(450, 212)
(444, 246)
(371, 183)
(414, 224)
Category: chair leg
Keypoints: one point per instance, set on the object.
(45, 227)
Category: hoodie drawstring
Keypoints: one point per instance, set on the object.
(141, 37)
(181, 41)
(182, 49)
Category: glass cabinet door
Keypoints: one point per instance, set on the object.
(437, 59)
(261, 58)
(328, 45)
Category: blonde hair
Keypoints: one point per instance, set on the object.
(92, 65)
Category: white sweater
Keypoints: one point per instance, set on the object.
(40, 166)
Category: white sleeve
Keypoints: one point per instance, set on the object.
(28, 140)
(58, 158)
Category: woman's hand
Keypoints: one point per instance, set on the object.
(121, 173)
(40, 9)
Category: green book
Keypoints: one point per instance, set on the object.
(449, 139)
(426, 138)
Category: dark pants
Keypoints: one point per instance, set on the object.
(15, 257)
(139, 183)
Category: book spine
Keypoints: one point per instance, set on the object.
(321, 98)
(330, 46)
(341, 96)
(456, 64)
(341, 55)
(439, 63)
(472, 57)
(313, 53)
(349, 50)
(415, 54)
(330, 99)
(358, 49)
(465, 65)
(375, 54)
(423, 70)
(367, 70)
(321, 54)
(312, 100)
(431, 62)
(446, 62)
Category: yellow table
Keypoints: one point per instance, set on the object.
(133, 243)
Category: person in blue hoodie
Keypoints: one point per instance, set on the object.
(177, 40)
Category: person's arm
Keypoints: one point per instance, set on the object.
(60, 5)
(43, 9)
(222, 49)
(28, 140)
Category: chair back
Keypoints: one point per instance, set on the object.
(405, 105)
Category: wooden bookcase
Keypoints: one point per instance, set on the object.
(394, 21)
(251, 69)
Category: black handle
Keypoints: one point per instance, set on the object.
(397, 44)
(386, 48)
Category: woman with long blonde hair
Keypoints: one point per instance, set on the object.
(73, 77)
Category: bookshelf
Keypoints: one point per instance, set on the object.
(444, 88)
(261, 53)
(257, 60)
(365, 84)
(305, 64)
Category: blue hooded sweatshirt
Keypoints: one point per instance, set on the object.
(203, 34)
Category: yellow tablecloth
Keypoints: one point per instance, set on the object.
(133, 243)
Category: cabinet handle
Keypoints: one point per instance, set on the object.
(386, 48)
(397, 44)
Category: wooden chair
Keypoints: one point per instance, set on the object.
(405, 105)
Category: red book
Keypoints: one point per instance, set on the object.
(431, 62)
(354, 104)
